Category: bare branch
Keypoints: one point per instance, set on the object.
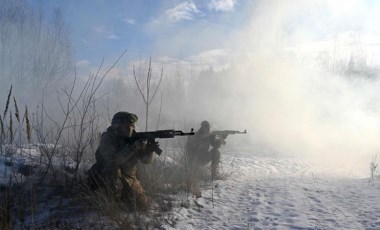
(148, 78)
(158, 86)
(159, 113)
(138, 86)
(106, 73)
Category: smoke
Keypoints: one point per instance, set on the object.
(303, 80)
(295, 101)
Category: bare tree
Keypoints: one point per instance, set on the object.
(34, 54)
(146, 96)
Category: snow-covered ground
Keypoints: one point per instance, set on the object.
(284, 193)
(270, 192)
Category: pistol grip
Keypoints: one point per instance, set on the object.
(157, 150)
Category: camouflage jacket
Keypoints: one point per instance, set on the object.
(200, 143)
(118, 152)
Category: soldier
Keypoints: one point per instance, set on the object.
(198, 149)
(116, 162)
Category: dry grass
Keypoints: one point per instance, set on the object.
(10, 126)
(7, 102)
(1, 129)
(17, 114)
(28, 125)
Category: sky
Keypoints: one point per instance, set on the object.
(179, 29)
(189, 29)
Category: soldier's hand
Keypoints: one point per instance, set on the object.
(140, 145)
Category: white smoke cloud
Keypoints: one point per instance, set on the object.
(288, 97)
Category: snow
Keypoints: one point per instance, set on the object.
(13, 159)
(281, 193)
(268, 192)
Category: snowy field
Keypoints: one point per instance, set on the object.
(273, 192)
(282, 193)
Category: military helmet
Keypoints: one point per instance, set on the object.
(124, 118)
(205, 124)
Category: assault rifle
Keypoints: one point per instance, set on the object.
(152, 135)
(222, 134)
(225, 133)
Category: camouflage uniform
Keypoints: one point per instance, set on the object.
(198, 149)
(116, 168)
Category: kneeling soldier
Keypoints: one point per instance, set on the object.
(116, 162)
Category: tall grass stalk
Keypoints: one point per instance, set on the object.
(28, 126)
(10, 128)
(1, 128)
(17, 114)
(7, 103)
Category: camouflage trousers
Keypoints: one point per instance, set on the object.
(202, 159)
(133, 194)
(120, 186)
